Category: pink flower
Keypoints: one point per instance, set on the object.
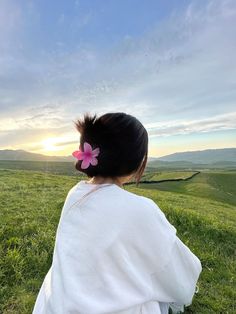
(88, 155)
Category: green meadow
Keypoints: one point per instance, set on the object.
(203, 210)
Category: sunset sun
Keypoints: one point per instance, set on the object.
(50, 144)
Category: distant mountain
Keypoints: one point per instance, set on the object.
(218, 158)
(19, 154)
(152, 158)
(207, 156)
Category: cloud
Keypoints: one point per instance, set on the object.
(45, 116)
(179, 76)
(216, 123)
(66, 143)
(183, 67)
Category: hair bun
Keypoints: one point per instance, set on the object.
(123, 143)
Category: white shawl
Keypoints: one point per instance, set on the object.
(115, 252)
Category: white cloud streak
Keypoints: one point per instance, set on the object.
(216, 123)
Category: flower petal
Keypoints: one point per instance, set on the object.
(95, 152)
(78, 154)
(94, 161)
(85, 163)
(87, 148)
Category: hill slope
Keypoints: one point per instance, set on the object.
(207, 156)
(20, 154)
(30, 211)
(212, 185)
(210, 158)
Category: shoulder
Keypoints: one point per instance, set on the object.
(133, 197)
(146, 209)
(151, 207)
(136, 201)
(73, 189)
(152, 215)
(143, 201)
(149, 202)
(71, 193)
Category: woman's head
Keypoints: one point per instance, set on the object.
(122, 142)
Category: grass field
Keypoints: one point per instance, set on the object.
(166, 175)
(214, 185)
(202, 210)
(59, 167)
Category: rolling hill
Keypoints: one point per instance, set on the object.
(210, 158)
(207, 156)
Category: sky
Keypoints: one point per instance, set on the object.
(171, 64)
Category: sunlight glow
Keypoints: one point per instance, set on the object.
(50, 144)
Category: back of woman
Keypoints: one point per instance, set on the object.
(115, 251)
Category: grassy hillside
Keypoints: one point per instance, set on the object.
(158, 167)
(166, 175)
(55, 167)
(212, 185)
(30, 208)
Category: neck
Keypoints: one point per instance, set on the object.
(100, 180)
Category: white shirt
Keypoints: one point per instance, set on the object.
(116, 252)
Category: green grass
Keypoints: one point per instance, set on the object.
(213, 185)
(30, 208)
(167, 175)
(55, 167)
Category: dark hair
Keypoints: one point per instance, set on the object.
(123, 143)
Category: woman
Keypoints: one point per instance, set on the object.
(115, 251)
